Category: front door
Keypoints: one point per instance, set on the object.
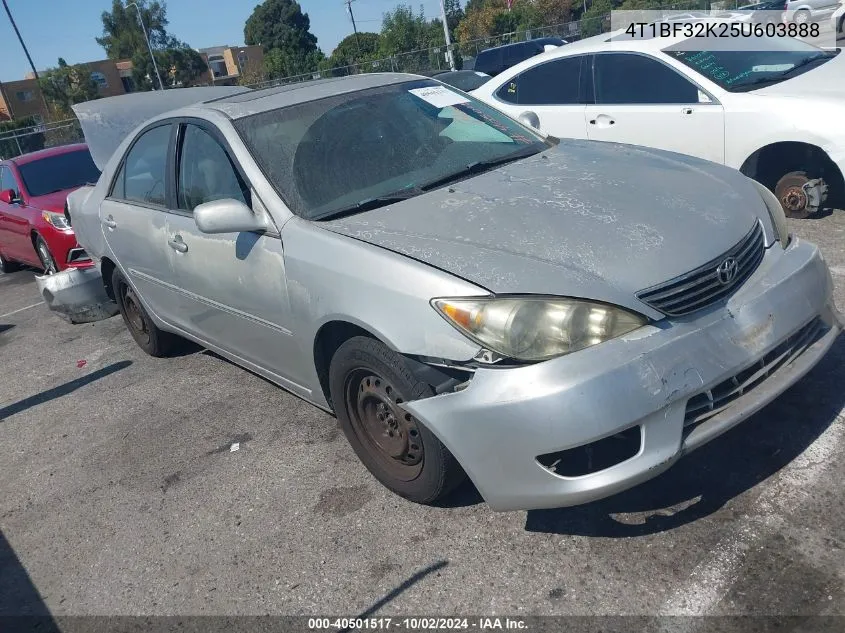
(642, 101)
(553, 91)
(234, 293)
(134, 221)
(15, 225)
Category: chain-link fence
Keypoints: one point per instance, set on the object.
(425, 61)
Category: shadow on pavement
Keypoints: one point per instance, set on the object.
(61, 390)
(19, 599)
(5, 327)
(407, 584)
(706, 479)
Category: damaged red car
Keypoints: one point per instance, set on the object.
(33, 190)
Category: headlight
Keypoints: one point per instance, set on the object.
(58, 220)
(534, 329)
(776, 214)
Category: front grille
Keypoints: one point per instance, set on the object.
(702, 287)
(705, 405)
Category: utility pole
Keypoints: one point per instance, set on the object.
(28, 58)
(348, 4)
(449, 54)
(149, 46)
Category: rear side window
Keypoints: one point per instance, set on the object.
(622, 78)
(553, 83)
(143, 176)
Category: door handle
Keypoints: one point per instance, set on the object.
(602, 120)
(687, 110)
(110, 223)
(177, 244)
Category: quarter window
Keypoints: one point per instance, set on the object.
(144, 173)
(206, 172)
(552, 83)
(622, 78)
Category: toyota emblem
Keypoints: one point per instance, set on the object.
(726, 271)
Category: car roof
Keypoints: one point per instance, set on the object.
(250, 102)
(47, 153)
(536, 40)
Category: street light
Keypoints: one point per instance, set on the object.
(149, 46)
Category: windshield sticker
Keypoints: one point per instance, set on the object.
(772, 68)
(439, 96)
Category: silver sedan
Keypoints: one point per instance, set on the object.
(557, 319)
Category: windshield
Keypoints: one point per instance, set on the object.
(59, 172)
(352, 151)
(775, 59)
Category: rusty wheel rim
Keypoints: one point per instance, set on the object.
(390, 434)
(134, 316)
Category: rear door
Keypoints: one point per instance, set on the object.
(642, 101)
(134, 220)
(233, 285)
(554, 91)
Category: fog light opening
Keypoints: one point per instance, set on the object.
(595, 456)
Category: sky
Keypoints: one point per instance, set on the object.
(67, 28)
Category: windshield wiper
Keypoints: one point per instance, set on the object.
(371, 203)
(478, 167)
(806, 62)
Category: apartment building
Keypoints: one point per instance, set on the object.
(226, 65)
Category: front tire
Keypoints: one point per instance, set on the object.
(48, 262)
(147, 335)
(368, 383)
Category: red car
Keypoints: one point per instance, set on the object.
(33, 191)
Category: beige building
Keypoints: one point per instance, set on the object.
(227, 64)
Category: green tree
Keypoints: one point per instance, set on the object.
(178, 64)
(9, 146)
(284, 32)
(596, 19)
(122, 35)
(66, 85)
(454, 15)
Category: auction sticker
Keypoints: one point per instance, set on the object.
(439, 96)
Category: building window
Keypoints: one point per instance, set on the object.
(100, 78)
(24, 95)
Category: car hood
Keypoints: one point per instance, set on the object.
(824, 80)
(52, 201)
(584, 219)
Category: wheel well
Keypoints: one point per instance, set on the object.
(33, 237)
(329, 338)
(768, 164)
(106, 269)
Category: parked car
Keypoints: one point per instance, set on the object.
(703, 97)
(33, 190)
(454, 286)
(492, 61)
(837, 20)
(769, 12)
(803, 11)
(466, 80)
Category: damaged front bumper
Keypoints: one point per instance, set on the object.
(77, 295)
(662, 391)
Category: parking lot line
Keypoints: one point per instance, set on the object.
(8, 314)
(711, 579)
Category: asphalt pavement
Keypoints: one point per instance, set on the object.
(120, 494)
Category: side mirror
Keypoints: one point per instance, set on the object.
(530, 119)
(227, 216)
(8, 196)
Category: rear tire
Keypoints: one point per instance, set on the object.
(48, 262)
(7, 265)
(368, 382)
(149, 337)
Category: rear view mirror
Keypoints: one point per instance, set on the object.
(8, 196)
(530, 119)
(227, 216)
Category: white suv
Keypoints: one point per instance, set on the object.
(802, 11)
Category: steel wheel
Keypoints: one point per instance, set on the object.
(134, 315)
(802, 16)
(47, 261)
(389, 434)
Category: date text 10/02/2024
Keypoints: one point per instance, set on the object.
(723, 29)
(417, 624)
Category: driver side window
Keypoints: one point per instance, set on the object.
(629, 79)
(206, 172)
(7, 181)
